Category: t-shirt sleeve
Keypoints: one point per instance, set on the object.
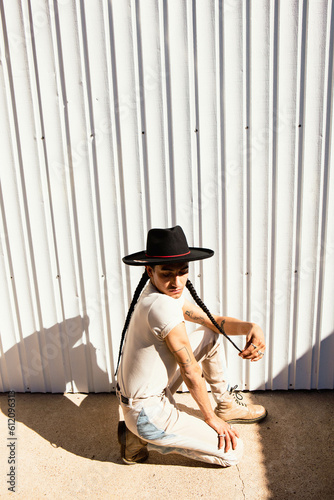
(164, 314)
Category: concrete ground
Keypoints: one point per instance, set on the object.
(66, 447)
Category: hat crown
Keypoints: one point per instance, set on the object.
(166, 243)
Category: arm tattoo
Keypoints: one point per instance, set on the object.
(197, 319)
(185, 358)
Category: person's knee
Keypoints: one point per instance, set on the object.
(233, 457)
(209, 340)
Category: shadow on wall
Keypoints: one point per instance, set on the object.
(326, 365)
(59, 359)
(313, 370)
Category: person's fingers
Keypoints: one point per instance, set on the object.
(258, 353)
(229, 437)
(233, 438)
(222, 441)
(253, 351)
(227, 441)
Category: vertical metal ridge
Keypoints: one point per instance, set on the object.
(90, 128)
(168, 112)
(193, 93)
(220, 147)
(141, 114)
(195, 127)
(106, 279)
(272, 180)
(125, 295)
(193, 116)
(315, 337)
(114, 100)
(324, 196)
(305, 86)
(301, 57)
(192, 204)
(117, 158)
(116, 108)
(168, 156)
(325, 375)
(247, 207)
(248, 160)
(223, 260)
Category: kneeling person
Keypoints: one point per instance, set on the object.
(158, 355)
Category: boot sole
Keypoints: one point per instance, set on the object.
(247, 420)
(132, 462)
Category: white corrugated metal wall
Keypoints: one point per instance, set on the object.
(121, 115)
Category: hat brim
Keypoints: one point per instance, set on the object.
(141, 259)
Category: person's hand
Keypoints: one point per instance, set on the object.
(255, 344)
(226, 433)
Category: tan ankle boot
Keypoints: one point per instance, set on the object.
(234, 411)
(133, 449)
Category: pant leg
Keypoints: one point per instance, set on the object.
(206, 348)
(169, 430)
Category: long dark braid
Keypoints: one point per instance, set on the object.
(201, 304)
(135, 298)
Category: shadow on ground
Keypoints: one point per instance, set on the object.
(85, 425)
(297, 443)
(87, 430)
(296, 438)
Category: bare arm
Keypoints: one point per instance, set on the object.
(232, 326)
(178, 343)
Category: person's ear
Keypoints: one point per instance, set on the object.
(149, 271)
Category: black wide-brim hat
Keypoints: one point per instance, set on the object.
(165, 246)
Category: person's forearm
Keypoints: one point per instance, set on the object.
(196, 384)
(233, 326)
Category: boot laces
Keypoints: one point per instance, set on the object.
(237, 396)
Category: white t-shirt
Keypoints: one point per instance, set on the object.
(147, 364)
